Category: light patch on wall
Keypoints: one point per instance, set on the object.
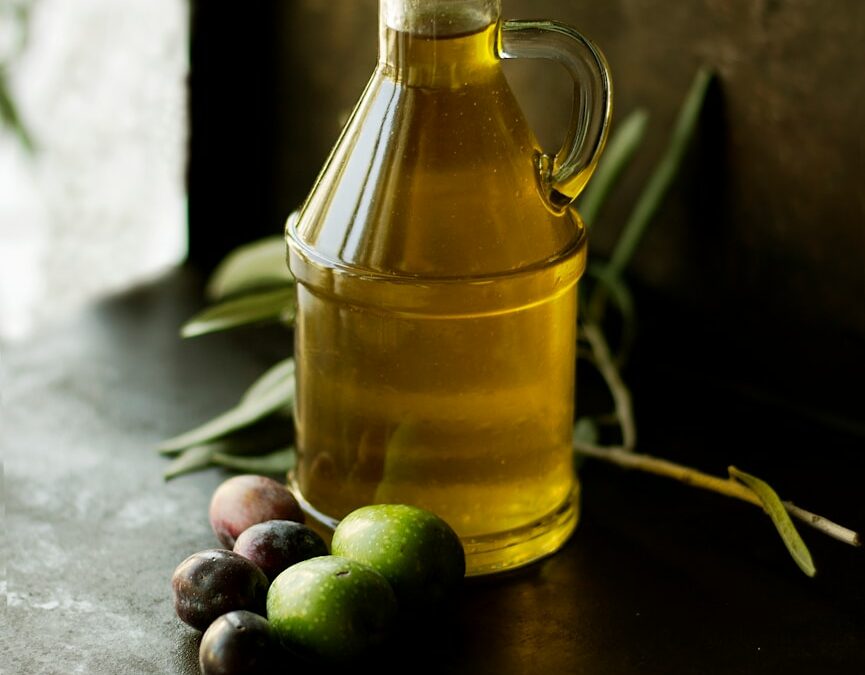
(101, 202)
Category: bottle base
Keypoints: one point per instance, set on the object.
(505, 551)
(491, 553)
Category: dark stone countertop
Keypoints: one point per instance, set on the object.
(658, 578)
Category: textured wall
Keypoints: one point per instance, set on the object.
(775, 212)
(765, 232)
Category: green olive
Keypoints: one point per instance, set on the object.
(331, 609)
(416, 551)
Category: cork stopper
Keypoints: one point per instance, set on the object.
(438, 17)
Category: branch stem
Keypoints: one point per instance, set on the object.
(625, 458)
(621, 394)
(825, 525)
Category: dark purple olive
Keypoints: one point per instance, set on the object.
(243, 501)
(211, 583)
(239, 642)
(275, 545)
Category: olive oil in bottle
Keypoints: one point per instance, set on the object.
(436, 321)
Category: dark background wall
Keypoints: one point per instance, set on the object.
(756, 263)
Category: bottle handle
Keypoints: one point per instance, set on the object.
(563, 177)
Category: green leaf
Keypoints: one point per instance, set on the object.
(273, 431)
(617, 155)
(264, 306)
(277, 462)
(248, 411)
(251, 267)
(273, 377)
(586, 430)
(775, 508)
(616, 290)
(660, 181)
(9, 114)
(192, 459)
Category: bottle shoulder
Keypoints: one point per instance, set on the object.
(434, 182)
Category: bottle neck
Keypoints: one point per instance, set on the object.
(438, 42)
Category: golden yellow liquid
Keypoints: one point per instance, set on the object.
(435, 338)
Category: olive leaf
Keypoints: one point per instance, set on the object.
(16, 22)
(585, 431)
(223, 454)
(616, 290)
(192, 459)
(775, 508)
(256, 266)
(10, 117)
(258, 439)
(273, 377)
(273, 431)
(663, 175)
(279, 395)
(617, 155)
(648, 202)
(277, 462)
(260, 307)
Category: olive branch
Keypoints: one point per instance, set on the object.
(16, 14)
(253, 285)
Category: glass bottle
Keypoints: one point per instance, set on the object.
(437, 260)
